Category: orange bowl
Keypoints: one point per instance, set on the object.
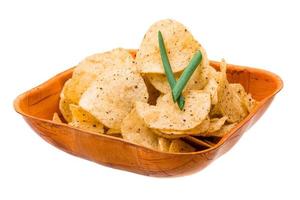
(38, 105)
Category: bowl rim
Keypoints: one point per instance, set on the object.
(274, 76)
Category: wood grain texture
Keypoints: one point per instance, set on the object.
(38, 105)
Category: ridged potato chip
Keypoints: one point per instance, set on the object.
(113, 94)
(135, 130)
(84, 120)
(167, 116)
(179, 42)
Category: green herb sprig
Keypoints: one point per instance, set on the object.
(177, 86)
(168, 70)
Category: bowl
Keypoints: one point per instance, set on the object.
(38, 105)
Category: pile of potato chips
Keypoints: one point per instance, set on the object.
(123, 94)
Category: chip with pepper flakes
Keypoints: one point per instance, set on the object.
(87, 71)
(229, 102)
(179, 41)
(167, 116)
(84, 120)
(113, 94)
(142, 98)
(135, 130)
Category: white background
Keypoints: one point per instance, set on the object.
(40, 39)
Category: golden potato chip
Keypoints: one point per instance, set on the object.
(164, 144)
(212, 89)
(216, 124)
(84, 120)
(249, 102)
(65, 102)
(179, 146)
(56, 118)
(112, 131)
(229, 103)
(86, 72)
(223, 130)
(167, 116)
(198, 130)
(179, 42)
(113, 94)
(246, 99)
(135, 130)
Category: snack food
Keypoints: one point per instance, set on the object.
(118, 94)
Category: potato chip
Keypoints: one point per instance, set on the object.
(198, 130)
(179, 42)
(164, 144)
(179, 146)
(87, 71)
(223, 130)
(212, 89)
(65, 102)
(247, 99)
(135, 130)
(167, 116)
(84, 120)
(229, 103)
(113, 94)
(112, 131)
(216, 124)
(249, 102)
(56, 118)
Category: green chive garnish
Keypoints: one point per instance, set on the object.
(168, 70)
(186, 75)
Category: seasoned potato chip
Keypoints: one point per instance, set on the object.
(113, 94)
(112, 131)
(163, 144)
(216, 124)
(179, 146)
(249, 102)
(135, 130)
(86, 72)
(222, 131)
(212, 89)
(84, 120)
(65, 102)
(167, 116)
(247, 99)
(229, 103)
(179, 42)
(198, 130)
(56, 118)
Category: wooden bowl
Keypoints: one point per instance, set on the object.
(38, 105)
